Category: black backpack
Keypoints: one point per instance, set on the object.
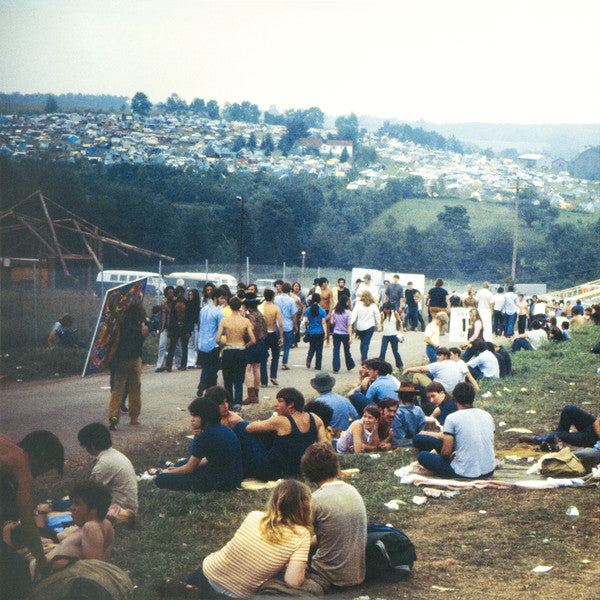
(390, 554)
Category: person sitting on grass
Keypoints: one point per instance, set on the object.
(266, 543)
(503, 357)
(325, 412)
(586, 434)
(409, 418)
(343, 411)
(92, 534)
(220, 396)
(62, 336)
(112, 469)
(484, 364)
(340, 522)
(444, 406)
(362, 435)
(530, 340)
(468, 442)
(565, 330)
(37, 453)
(215, 461)
(383, 384)
(282, 439)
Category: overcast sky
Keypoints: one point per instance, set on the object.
(521, 61)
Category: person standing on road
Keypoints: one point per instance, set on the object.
(274, 340)
(394, 294)
(413, 317)
(432, 335)
(289, 319)
(163, 329)
(341, 318)
(315, 319)
(365, 318)
(511, 310)
(127, 365)
(208, 349)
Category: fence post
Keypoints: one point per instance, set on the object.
(247, 270)
(283, 270)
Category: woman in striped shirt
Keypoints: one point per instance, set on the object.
(265, 543)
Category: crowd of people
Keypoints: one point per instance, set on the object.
(302, 543)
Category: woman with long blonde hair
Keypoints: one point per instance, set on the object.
(365, 318)
(265, 543)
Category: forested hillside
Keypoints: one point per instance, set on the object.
(193, 215)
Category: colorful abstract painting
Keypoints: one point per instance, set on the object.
(106, 335)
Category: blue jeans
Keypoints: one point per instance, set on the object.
(315, 349)
(497, 322)
(436, 464)
(509, 329)
(359, 401)
(584, 437)
(476, 372)
(288, 338)
(427, 442)
(468, 354)
(431, 353)
(521, 344)
(411, 317)
(365, 341)
(338, 340)
(209, 361)
(393, 340)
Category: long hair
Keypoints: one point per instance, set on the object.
(289, 507)
(314, 307)
(475, 313)
(367, 298)
(342, 304)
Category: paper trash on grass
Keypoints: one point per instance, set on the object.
(499, 394)
(518, 430)
(486, 395)
(507, 389)
(394, 504)
(403, 471)
(530, 412)
(541, 569)
(439, 588)
(502, 424)
(524, 389)
(418, 500)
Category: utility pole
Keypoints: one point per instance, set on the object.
(513, 271)
(241, 239)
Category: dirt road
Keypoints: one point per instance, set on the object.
(63, 406)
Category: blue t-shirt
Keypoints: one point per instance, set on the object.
(342, 408)
(446, 408)
(315, 324)
(210, 317)
(288, 310)
(222, 450)
(385, 386)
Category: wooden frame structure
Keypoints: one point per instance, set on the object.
(62, 235)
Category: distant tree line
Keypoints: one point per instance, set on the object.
(18, 102)
(417, 135)
(193, 214)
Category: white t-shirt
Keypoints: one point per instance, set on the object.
(488, 363)
(498, 300)
(537, 338)
(447, 372)
(473, 432)
(484, 297)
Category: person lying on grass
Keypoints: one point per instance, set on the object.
(215, 461)
(362, 435)
(586, 434)
(91, 536)
(266, 543)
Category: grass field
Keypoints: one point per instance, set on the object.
(423, 212)
(481, 544)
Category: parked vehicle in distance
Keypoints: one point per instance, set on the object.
(261, 284)
(197, 280)
(111, 278)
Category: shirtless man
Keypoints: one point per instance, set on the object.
(237, 329)
(92, 535)
(272, 314)
(37, 453)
